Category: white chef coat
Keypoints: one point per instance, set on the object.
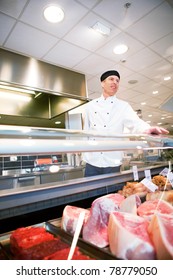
(110, 115)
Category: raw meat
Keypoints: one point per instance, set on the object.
(95, 228)
(161, 233)
(41, 250)
(70, 217)
(128, 237)
(130, 204)
(164, 195)
(148, 208)
(63, 255)
(24, 238)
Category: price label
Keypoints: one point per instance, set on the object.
(164, 172)
(147, 174)
(135, 173)
(170, 178)
(151, 186)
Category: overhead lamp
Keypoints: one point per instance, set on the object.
(14, 96)
(101, 28)
(53, 14)
(16, 89)
(167, 78)
(120, 49)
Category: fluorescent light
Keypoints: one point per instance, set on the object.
(120, 49)
(167, 78)
(101, 28)
(13, 96)
(6, 87)
(53, 14)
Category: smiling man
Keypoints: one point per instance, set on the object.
(111, 115)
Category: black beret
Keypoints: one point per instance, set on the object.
(109, 73)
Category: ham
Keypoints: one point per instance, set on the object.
(128, 237)
(70, 217)
(148, 208)
(161, 233)
(130, 204)
(95, 228)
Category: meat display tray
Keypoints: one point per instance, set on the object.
(54, 228)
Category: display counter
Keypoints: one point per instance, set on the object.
(45, 194)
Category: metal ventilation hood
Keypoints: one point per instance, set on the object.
(56, 91)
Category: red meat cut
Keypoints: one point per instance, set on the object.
(70, 217)
(128, 237)
(41, 250)
(95, 228)
(63, 255)
(24, 238)
(161, 233)
(148, 208)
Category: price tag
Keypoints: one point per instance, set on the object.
(164, 172)
(170, 178)
(147, 174)
(135, 173)
(151, 186)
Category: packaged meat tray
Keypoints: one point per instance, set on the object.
(12, 248)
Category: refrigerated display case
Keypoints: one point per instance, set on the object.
(15, 202)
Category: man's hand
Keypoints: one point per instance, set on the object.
(156, 130)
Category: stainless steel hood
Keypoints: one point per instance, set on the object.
(57, 91)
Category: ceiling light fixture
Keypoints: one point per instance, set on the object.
(13, 96)
(120, 49)
(16, 89)
(53, 14)
(101, 28)
(167, 78)
(155, 91)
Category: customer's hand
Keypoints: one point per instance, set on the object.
(156, 130)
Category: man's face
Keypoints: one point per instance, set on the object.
(110, 85)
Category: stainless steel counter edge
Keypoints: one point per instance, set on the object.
(15, 202)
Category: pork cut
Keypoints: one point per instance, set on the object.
(95, 228)
(148, 208)
(70, 217)
(128, 237)
(161, 233)
(130, 204)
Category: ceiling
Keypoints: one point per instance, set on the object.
(146, 27)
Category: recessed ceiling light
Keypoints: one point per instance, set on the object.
(57, 122)
(53, 14)
(167, 78)
(101, 28)
(155, 91)
(143, 103)
(120, 49)
(149, 116)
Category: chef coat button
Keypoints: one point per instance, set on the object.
(104, 125)
(112, 102)
(95, 112)
(94, 124)
(107, 113)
